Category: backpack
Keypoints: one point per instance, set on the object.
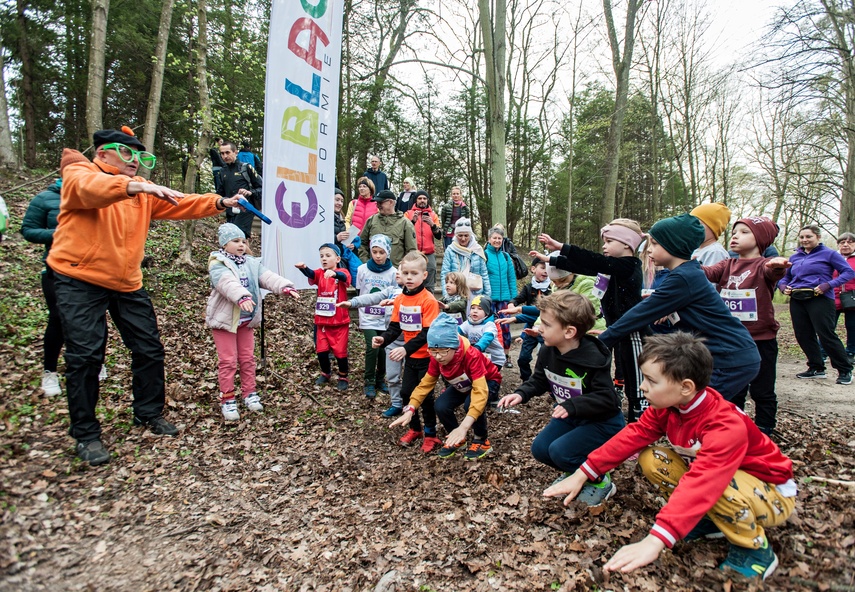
(520, 268)
(247, 157)
(244, 171)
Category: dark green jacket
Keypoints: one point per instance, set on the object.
(40, 219)
(446, 217)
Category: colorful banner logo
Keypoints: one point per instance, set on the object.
(300, 131)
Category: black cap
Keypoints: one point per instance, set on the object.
(108, 136)
(338, 191)
(422, 192)
(384, 195)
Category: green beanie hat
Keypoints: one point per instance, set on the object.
(680, 235)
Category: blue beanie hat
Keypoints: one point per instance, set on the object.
(680, 235)
(332, 247)
(228, 232)
(443, 332)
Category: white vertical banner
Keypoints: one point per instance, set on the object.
(300, 131)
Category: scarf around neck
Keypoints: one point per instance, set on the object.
(238, 259)
(372, 266)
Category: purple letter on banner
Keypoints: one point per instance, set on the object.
(296, 219)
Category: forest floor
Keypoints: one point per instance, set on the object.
(314, 494)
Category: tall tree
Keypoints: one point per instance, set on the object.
(95, 87)
(27, 95)
(493, 30)
(7, 155)
(621, 62)
(159, 60)
(188, 227)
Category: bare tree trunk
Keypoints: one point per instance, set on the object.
(153, 109)
(95, 89)
(188, 229)
(493, 30)
(621, 65)
(7, 154)
(28, 109)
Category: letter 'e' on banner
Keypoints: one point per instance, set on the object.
(300, 130)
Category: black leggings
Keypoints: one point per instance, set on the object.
(414, 370)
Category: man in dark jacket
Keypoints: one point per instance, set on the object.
(238, 177)
(426, 223)
(378, 177)
(451, 213)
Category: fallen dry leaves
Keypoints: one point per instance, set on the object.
(312, 496)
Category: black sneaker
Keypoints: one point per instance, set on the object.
(705, 529)
(93, 452)
(844, 378)
(811, 374)
(157, 425)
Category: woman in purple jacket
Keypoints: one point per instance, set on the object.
(810, 284)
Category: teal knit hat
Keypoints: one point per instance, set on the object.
(680, 235)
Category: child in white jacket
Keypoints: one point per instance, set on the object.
(234, 310)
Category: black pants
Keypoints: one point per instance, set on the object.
(82, 308)
(450, 399)
(762, 388)
(54, 338)
(242, 221)
(814, 318)
(414, 370)
(626, 354)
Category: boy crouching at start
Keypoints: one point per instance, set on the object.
(722, 477)
(471, 378)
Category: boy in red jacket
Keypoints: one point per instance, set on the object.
(722, 477)
(331, 323)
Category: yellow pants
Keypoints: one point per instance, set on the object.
(744, 509)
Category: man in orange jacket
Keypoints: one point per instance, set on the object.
(105, 212)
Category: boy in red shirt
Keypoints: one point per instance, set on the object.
(331, 323)
(412, 314)
(722, 476)
(471, 377)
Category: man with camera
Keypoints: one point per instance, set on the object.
(426, 223)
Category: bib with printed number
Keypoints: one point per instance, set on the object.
(374, 311)
(462, 383)
(741, 303)
(457, 317)
(411, 318)
(601, 284)
(325, 306)
(563, 387)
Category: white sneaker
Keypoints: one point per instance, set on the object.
(102, 375)
(230, 411)
(253, 402)
(50, 384)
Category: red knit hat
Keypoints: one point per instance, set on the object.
(764, 230)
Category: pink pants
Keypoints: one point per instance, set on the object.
(233, 350)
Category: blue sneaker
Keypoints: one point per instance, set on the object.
(393, 411)
(595, 494)
(369, 391)
(322, 379)
(705, 529)
(751, 563)
(383, 387)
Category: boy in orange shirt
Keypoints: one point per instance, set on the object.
(413, 312)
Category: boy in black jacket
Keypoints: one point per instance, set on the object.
(575, 369)
(529, 296)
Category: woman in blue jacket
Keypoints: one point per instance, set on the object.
(503, 282)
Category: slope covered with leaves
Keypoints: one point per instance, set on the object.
(314, 494)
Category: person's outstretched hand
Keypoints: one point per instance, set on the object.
(549, 242)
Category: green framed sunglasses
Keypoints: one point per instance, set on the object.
(128, 154)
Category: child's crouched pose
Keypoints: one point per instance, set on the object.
(723, 474)
(471, 379)
(233, 311)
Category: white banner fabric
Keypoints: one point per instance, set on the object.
(300, 131)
